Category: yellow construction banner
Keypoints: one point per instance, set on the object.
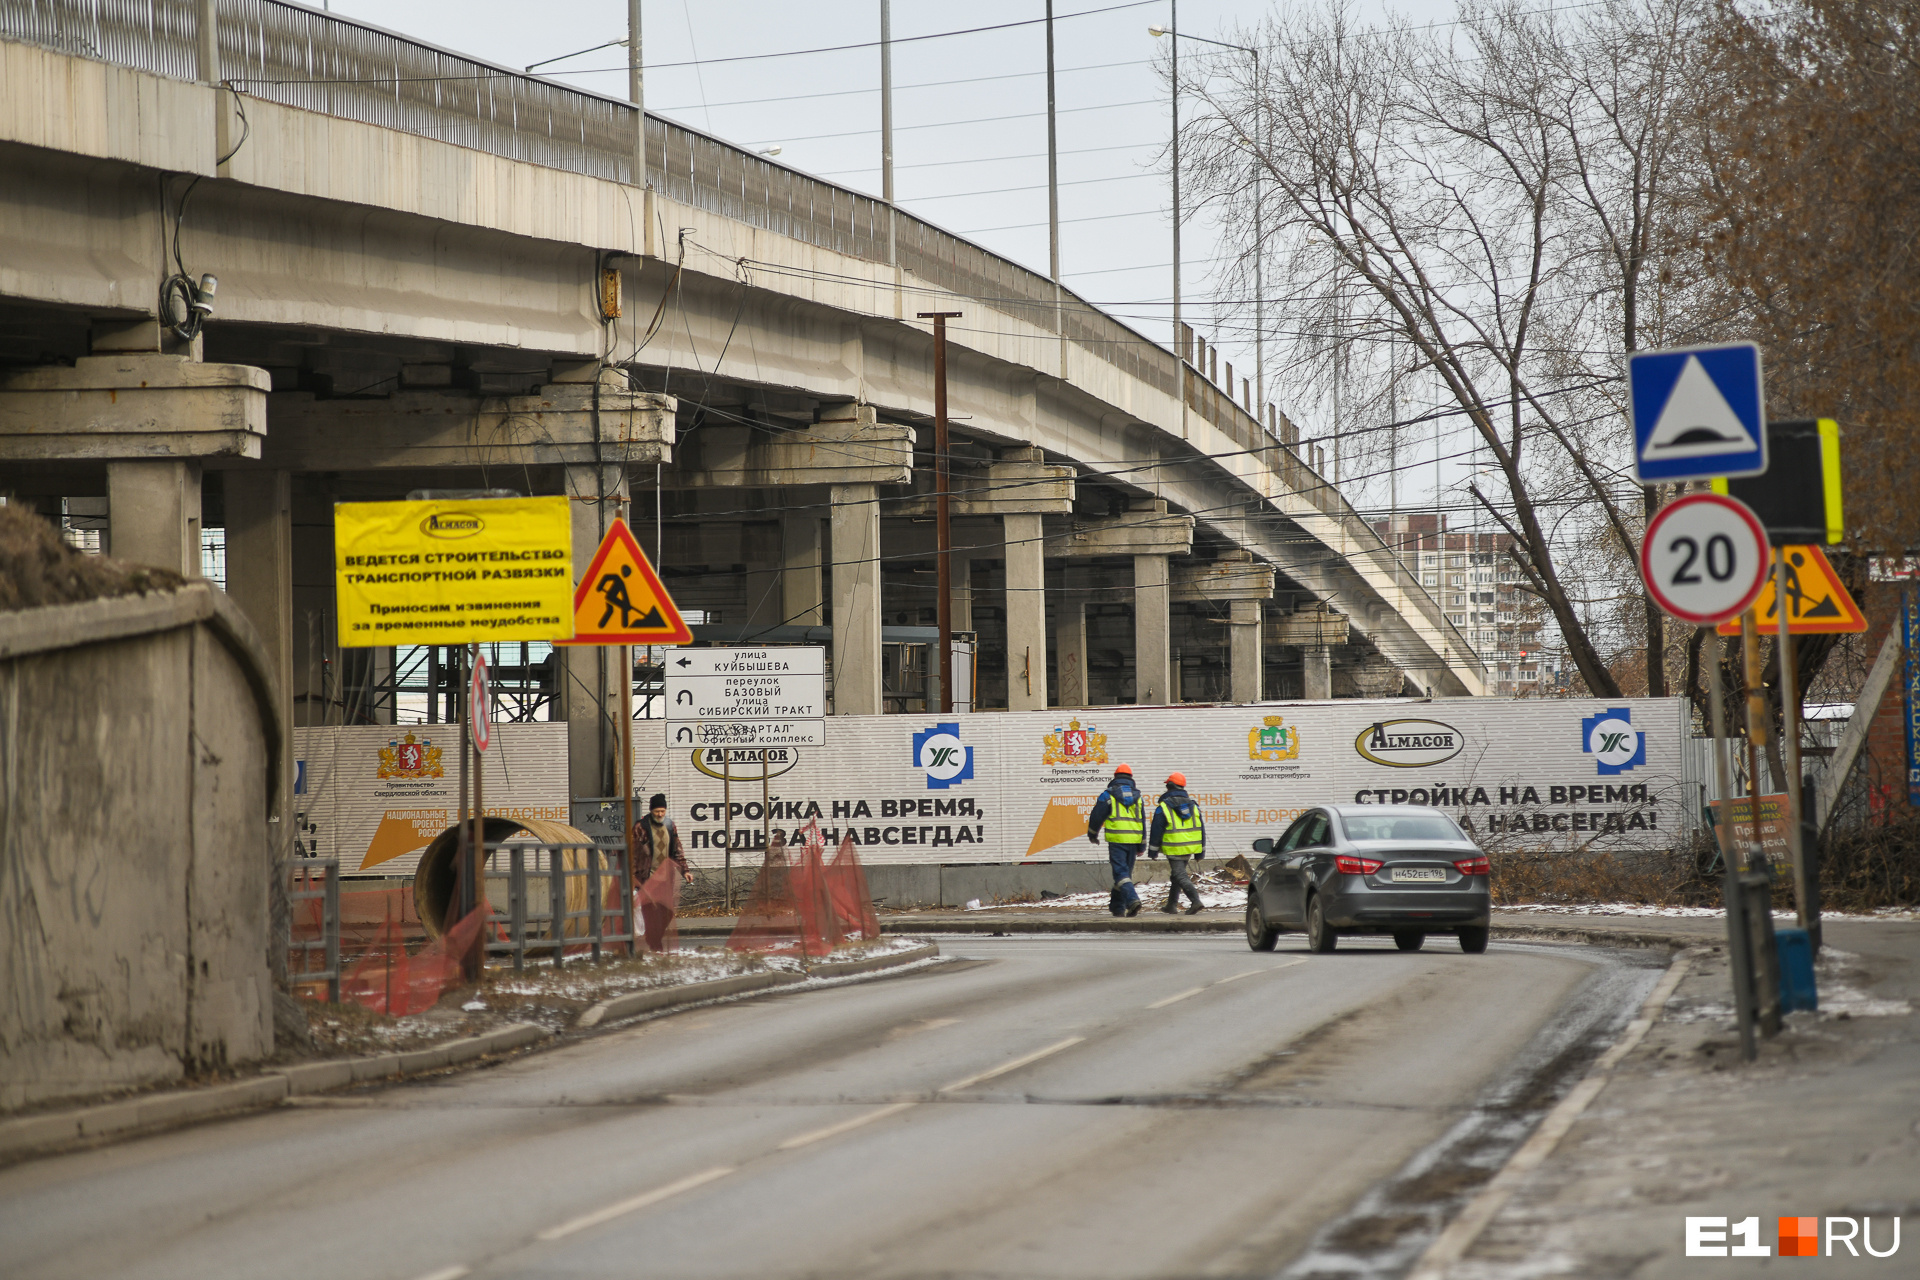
(452, 571)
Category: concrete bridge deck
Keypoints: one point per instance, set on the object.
(419, 256)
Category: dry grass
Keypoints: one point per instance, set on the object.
(1659, 878)
(1862, 869)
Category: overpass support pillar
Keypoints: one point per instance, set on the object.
(856, 599)
(1070, 649)
(153, 513)
(1243, 651)
(802, 591)
(1152, 632)
(590, 675)
(1317, 677)
(260, 580)
(1026, 613)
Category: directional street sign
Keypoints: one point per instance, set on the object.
(1705, 558)
(774, 697)
(481, 703)
(620, 599)
(1817, 603)
(1698, 413)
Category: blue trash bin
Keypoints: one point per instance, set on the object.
(1795, 950)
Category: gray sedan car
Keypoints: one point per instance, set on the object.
(1405, 870)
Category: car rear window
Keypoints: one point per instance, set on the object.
(1400, 827)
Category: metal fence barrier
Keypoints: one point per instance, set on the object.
(328, 943)
(564, 922)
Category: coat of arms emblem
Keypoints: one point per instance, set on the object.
(1074, 744)
(410, 757)
(1273, 741)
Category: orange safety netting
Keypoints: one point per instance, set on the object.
(377, 929)
(386, 979)
(798, 902)
(657, 901)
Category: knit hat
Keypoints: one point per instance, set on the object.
(659, 800)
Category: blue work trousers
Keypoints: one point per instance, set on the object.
(1121, 858)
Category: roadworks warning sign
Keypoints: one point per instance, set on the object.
(453, 572)
(1817, 602)
(620, 599)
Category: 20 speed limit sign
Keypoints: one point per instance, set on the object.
(1705, 558)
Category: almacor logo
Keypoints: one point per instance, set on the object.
(1799, 1237)
(945, 758)
(452, 524)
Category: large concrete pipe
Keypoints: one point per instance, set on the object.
(433, 880)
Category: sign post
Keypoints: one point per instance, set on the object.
(729, 699)
(1704, 560)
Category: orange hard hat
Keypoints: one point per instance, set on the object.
(1176, 779)
(1124, 768)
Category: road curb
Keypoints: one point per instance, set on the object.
(1603, 935)
(987, 922)
(638, 1002)
(41, 1134)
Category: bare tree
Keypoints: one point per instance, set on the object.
(1490, 205)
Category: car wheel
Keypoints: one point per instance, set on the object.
(1473, 940)
(1320, 935)
(1260, 935)
(1409, 940)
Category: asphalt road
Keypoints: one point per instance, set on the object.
(1104, 1106)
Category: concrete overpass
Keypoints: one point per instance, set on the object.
(435, 272)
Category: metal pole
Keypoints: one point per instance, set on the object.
(637, 93)
(726, 802)
(1803, 895)
(1259, 253)
(1053, 169)
(626, 752)
(474, 960)
(886, 123)
(1732, 894)
(330, 923)
(1756, 721)
(943, 504)
(1173, 65)
(462, 863)
(766, 811)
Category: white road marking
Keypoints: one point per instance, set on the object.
(1174, 999)
(835, 1130)
(1015, 1065)
(446, 1273)
(638, 1202)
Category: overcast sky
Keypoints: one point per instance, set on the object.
(969, 112)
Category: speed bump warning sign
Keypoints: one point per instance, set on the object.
(453, 571)
(620, 599)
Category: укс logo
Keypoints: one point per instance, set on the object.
(1409, 744)
(1610, 735)
(452, 524)
(945, 758)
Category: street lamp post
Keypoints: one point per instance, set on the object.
(1259, 237)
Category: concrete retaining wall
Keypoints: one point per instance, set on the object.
(137, 751)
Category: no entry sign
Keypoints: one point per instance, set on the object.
(1705, 558)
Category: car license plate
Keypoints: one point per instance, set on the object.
(1419, 875)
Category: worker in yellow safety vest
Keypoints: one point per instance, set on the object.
(1181, 833)
(1121, 813)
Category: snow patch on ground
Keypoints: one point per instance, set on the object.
(1692, 913)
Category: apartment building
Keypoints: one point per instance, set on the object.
(1472, 576)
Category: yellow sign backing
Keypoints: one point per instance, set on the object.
(453, 572)
(1818, 603)
(620, 599)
